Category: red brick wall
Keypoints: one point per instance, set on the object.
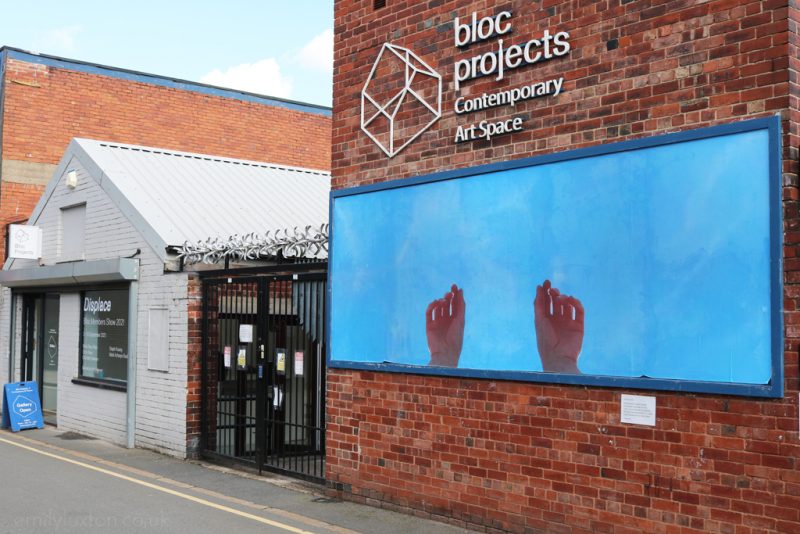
(45, 107)
(539, 458)
(17, 199)
(194, 365)
(679, 65)
(791, 168)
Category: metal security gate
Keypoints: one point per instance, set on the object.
(263, 395)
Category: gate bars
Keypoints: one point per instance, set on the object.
(263, 369)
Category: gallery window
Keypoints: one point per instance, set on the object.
(104, 335)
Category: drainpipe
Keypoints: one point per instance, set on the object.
(133, 321)
(11, 336)
(13, 317)
(3, 68)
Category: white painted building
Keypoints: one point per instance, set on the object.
(100, 319)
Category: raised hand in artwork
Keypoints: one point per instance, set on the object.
(559, 329)
(444, 326)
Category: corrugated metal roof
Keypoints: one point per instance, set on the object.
(191, 197)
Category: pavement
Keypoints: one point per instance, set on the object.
(52, 481)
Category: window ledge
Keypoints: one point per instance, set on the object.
(101, 384)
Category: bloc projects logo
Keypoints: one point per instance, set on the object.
(401, 98)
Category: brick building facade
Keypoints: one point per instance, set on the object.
(47, 101)
(532, 457)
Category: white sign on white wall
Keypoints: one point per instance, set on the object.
(24, 242)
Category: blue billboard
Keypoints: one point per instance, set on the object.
(651, 264)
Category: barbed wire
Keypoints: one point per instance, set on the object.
(310, 242)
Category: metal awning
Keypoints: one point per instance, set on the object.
(73, 273)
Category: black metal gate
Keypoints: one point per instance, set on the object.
(263, 395)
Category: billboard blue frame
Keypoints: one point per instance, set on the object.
(773, 388)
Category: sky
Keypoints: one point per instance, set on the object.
(274, 48)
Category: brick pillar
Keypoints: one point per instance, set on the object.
(194, 355)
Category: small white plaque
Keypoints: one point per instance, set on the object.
(245, 333)
(24, 242)
(638, 410)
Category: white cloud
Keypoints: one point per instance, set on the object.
(310, 66)
(262, 77)
(59, 40)
(317, 54)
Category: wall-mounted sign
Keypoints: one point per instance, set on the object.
(638, 410)
(496, 63)
(402, 96)
(21, 406)
(24, 242)
(505, 57)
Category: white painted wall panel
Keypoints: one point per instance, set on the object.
(158, 339)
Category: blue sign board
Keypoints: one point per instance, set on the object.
(21, 406)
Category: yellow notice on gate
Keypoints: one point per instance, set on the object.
(281, 362)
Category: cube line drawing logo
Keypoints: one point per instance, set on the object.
(23, 406)
(414, 96)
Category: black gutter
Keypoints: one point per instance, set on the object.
(286, 268)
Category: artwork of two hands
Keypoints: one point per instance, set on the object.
(558, 320)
